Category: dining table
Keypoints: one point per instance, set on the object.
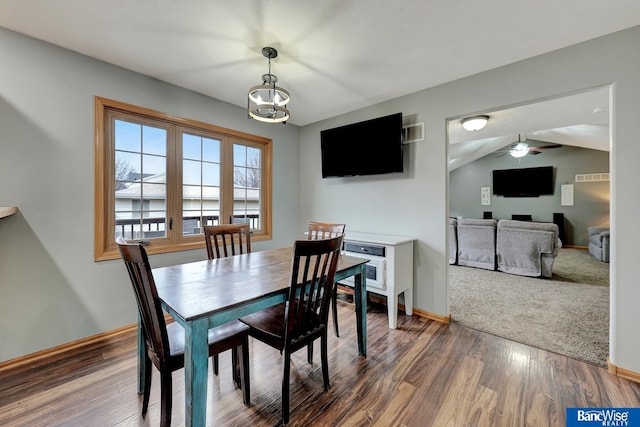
(204, 294)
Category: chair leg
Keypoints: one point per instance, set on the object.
(147, 385)
(286, 367)
(165, 399)
(334, 309)
(235, 373)
(215, 364)
(325, 360)
(310, 353)
(244, 372)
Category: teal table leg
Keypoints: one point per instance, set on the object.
(360, 290)
(141, 358)
(196, 355)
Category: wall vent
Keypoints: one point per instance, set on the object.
(413, 133)
(592, 177)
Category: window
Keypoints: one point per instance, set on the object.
(159, 179)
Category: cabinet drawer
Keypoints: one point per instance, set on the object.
(364, 248)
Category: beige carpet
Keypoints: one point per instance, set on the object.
(568, 314)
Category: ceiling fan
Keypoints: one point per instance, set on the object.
(521, 148)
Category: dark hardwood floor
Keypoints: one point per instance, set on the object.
(421, 374)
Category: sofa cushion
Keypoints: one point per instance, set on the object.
(477, 243)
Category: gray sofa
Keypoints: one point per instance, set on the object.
(527, 248)
(477, 243)
(599, 243)
(453, 241)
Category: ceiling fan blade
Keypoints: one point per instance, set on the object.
(545, 147)
(534, 151)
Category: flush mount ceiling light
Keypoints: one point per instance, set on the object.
(475, 123)
(266, 102)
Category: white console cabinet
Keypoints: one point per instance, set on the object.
(389, 270)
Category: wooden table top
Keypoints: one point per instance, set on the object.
(192, 289)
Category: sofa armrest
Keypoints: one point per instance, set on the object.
(527, 248)
(597, 230)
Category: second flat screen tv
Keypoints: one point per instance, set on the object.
(371, 147)
(524, 182)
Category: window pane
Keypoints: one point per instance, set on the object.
(127, 168)
(191, 172)
(125, 202)
(253, 178)
(239, 155)
(154, 168)
(154, 141)
(253, 157)
(140, 176)
(128, 136)
(191, 192)
(201, 183)
(191, 146)
(154, 196)
(211, 150)
(246, 184)
(211, 174)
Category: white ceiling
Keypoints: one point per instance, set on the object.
(335, 56)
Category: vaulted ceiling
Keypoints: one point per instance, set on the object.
(580, 119)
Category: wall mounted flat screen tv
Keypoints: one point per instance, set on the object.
(524, 182)
(371, 147)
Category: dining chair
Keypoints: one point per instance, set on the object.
(226, 240)
(324, 230)
(164, 342)
(301, 319)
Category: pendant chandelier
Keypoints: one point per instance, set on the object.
(266, 102)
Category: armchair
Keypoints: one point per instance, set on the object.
(527, 248)
(599, 242)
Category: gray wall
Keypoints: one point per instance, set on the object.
(51, 290)
(416, 203)
(591, 200)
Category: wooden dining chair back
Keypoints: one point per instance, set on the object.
(164, 343)
(227, 239)
(324, 230)
(302, 319)
(151, 315)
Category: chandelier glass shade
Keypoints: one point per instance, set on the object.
(267, 102)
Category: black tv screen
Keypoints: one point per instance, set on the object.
(371, 147)
(524, 182)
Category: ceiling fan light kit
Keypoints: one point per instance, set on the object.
(518, 151)
(521, 148)
(267, 102)
(474, 123)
